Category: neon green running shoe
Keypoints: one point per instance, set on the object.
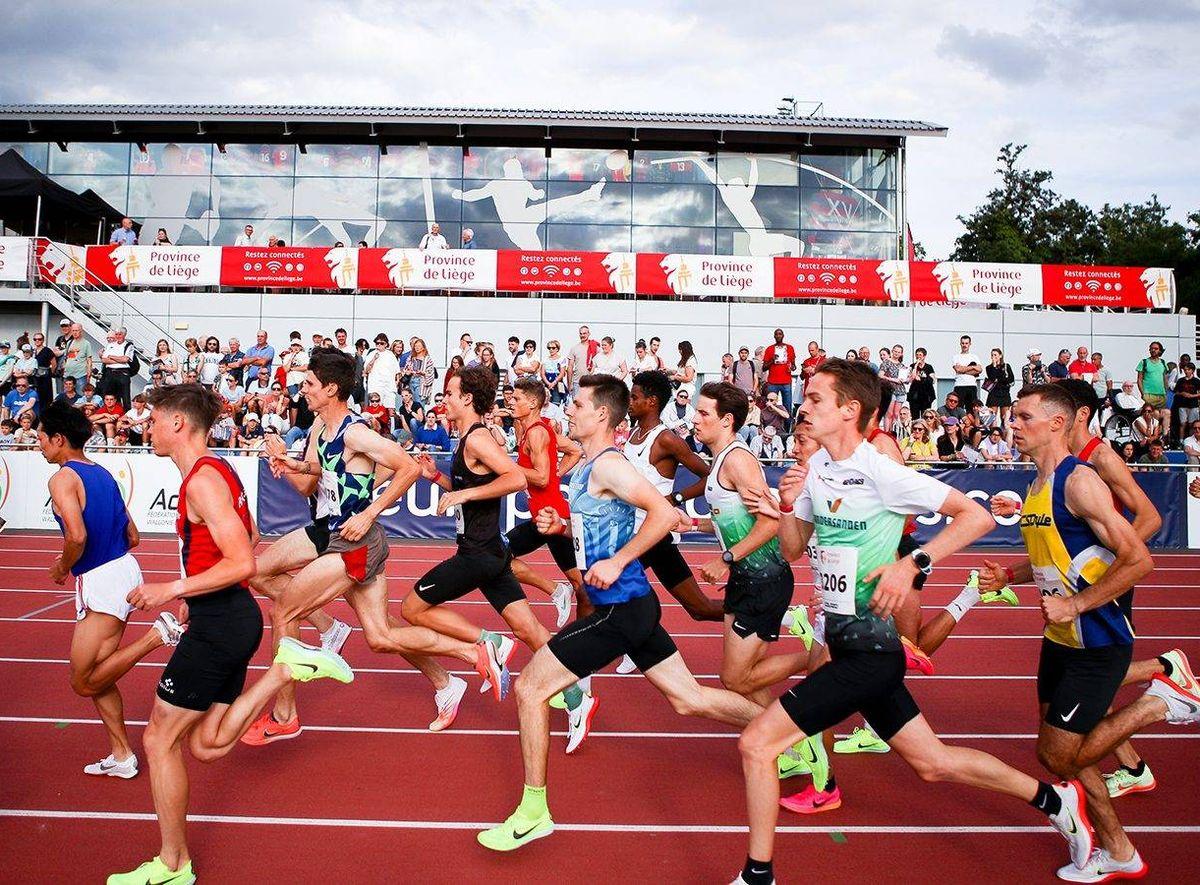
(1123, 781)
(791, 763)
(558, 702)
(155, 872)
(516, 832)
(1005, 594)
(308, 662)
(862, 740)
(795, 619)
(813, 752)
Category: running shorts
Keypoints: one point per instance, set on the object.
(758, 605)
(623, 628)
(526, 538)
(318, 533)
(1079, 684)
(464, 572)
(866, 682)
(209, 664)
(104, 589)
(365, 558)
(667, 563)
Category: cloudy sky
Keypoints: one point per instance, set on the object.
(1106, 92)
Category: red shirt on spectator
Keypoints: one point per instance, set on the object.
(811, 365)
(115, 409)
(1082, 369)
(779, 359)
(379, 413)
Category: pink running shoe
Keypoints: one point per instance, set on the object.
(813, 801)
(916, 659)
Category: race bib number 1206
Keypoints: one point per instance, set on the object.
(836, 569)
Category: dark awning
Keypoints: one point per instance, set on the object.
(66, 215)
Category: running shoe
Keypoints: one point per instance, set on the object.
(266, 729)
(812, 750)
(515, 832)
(558, 702)
(506, 650)
(335, 637)
(813, 801)
(579, 721)
(791, 763)
(862, 740)
(169, 628)
(795, 620)
(1103, 867)
(1181, 672)
(562, 597)
(1182, 707)
(491, 662)
(155, 872)
(1005, 594)
(1072, 822)
(915, 659)
(447, 701)
(626, 666)
(110, 767)
(307, 662)
(1122, 782)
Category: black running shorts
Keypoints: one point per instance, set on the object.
(758, 605)
(318, 533)
(525, 538)
(1079, 684)
(464, 572)
(209, 664)
(667, 563)
(867, 682)
(623, 628)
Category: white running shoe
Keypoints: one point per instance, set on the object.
(563, 596)
(169, 629)
(335, 637)
(579, 722)
(1103, 867)
(504, 653)
(447, 701)
(110, 767)
(1182, 707)
(1072, 822)
(627, 665)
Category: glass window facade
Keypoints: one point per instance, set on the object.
(820, 201)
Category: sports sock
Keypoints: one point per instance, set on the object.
(963, 602)
(585, 684)
(573, 695)
(1168, 670)
(830, 784)
(1136, 770)
(818, 625)
(1047, 801)
(489, 636)
(533, 803)
(758, 872)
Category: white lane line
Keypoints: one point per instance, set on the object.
(30, 616)
(502, 732)
(709, 829)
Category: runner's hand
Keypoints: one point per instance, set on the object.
(764, 504)
(548, 522)
(603, 574)
(1194, 487)
(58, 572)
(148, 596)
(1004, 506)
(715, 571)
(992, 577)
(450, 499)
(792, 483)
(274, 445)
(429, 468)
(684, 522)
(354, 528)
(1058, 609)
(184, 613)
(894, 582)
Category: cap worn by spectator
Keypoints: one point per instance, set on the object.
(769, 430)
(28, 347)
(1033, 351)
(250, 416)
(950, 421)
(6, 344)
(64, 322)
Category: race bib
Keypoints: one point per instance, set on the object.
(327, 494)
(1049, 581)
(460, 522)
(577, 541)
(836, 571)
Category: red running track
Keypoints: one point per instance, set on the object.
(368, 795)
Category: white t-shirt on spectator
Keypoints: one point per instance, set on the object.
(210, 367)
(965, 359)
(433, 241)
(607, 363)
(298, 368)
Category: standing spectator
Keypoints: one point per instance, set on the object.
(1034, 371)
(1187, 396)
(922, 383)
(466, 347)
(514, 352)
(342, 341)
(295, 366)
(1059, 369)
(233, 362)
(1102, 379)
(78, 360)
(779, 361)
(487, 359)
(165, 361)
(246, 237)
(643, 359)
(745, 374)
(768, 445)
(1191, 444)
(26, 363)
(659, 364)
(967, 369)
(422, 373)
(8, 362)
(45, 368)
(686, 374)
(580, 357)
(608, 361)
(552, 373)
(382, 371)
(361, 346)
(456, 366)
(60, 346)
(160, 239)
(891, 373)
(527, 364)
(468, 239)
(727, 368)
(117, 358)
(773, 412)
(259, 358)
(998, 384)
(1081, 367)
(994, 448)
(21, 399)
(1151, 379)
(811, 363)
(124, 235)
(433, 239)
(210, 361)
(864, 355)
(192, 359)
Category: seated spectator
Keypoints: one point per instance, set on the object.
(295, 365)
(768, 445)
(25, 436)
(949, 445)
(251, 435)
(97, 440)
(120, 440)
(751, 426)
(1128, 452)
(90, 395)
(431, 436)
(1191, 444)
(70, 395)
(1154, 455)
(1147, 428)
(107, 416)
(136, 422)
(377, 414)
(8, 430)
(551, 411)
(918, 448)
(994, 448)
(972, 441)
(621, 436)
(22, 398)
(904, 421)
(681, 417)
(224, 431)
(951, 408)
(409, 413)
(277, 415)
(933, 424)
(233, 393)
(773, 412)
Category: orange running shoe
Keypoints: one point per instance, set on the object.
(916, 659)
(813, 801)
(265, 730)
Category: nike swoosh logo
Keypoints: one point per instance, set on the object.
(421, 588)
(517, 835)
(271, 734)
(757, 872)
(1066, 717)
(817, 803)
(310, 666)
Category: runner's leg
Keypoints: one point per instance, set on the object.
(747, 669)
(698, 606)
(385, 635)
(163, 742)
(689, 698)
(96, 638)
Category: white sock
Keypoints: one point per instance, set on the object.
(332, 627)
(442, 692)
(963, 602)
(585, 684)
(818, 625)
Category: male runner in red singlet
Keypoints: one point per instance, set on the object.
(200, 700)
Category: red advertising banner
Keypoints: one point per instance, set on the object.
(521, 271)
(305, 268)
(60, 263)
(953, 282)
(154, 265)
(452, 269)
(842, 278)
(1098, 286)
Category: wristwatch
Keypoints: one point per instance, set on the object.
(727, 557)
(922, 561)
(677, 498)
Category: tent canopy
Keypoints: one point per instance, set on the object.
(65, 215)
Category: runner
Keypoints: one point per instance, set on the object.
(604, 494)
(98, 534)
(537, 456)
(295, 550)
(199, 699)
(480, 477)
(349, 452)
(856, 500)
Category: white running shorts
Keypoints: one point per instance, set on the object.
(104, 589)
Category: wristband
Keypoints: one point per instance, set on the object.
(695, 524)
(1008, 573)
(784, 508)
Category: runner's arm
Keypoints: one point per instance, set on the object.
(683, 453)
(132, 536)
(747, 477)
(538, 475)
(509, 477)
(65, 487)
(619, 477)
(1146, 519)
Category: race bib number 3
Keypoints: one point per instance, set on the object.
(577, 541)
(836, 571)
